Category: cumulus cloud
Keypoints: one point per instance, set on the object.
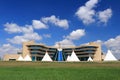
(27, 33)
(7, 48)
(87, 14)
(113, 44)
(99, 42)
(25, 37)
(65, 43)
(91, 3)
(105, 15)
(69, 40)
(77, 34)
(63, 23)
(27, 29)
(37, 24)
(47, 35)
(12, 28)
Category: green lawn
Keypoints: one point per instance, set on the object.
(59, 71)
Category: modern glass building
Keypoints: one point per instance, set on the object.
(37, 51)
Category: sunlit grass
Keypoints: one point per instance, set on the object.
(59, 71)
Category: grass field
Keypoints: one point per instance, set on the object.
(59, 71)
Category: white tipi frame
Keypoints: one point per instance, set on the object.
(73, 57)
(109, 56)
(46, 57)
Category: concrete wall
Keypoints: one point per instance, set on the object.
(7, 57)
(98, 54)
(25, 50)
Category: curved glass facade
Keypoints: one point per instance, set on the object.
(37, 51)
(60, 56)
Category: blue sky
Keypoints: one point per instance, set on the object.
(72, 22)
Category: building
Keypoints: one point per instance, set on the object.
(37, 51)
(10, 57)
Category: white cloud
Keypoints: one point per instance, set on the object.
(105, 15)
(27, 29)
(77, 34)
(86, 13)
(12, 28)
(27, 33)
(69, 40)
(32, 36)
(47, 35)
(37, 24)
(65, 43)
(7, 48)
(99, 42)
(91, 4)
(17, 40)
(25, 37)
(63, 23)
(113, 44)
